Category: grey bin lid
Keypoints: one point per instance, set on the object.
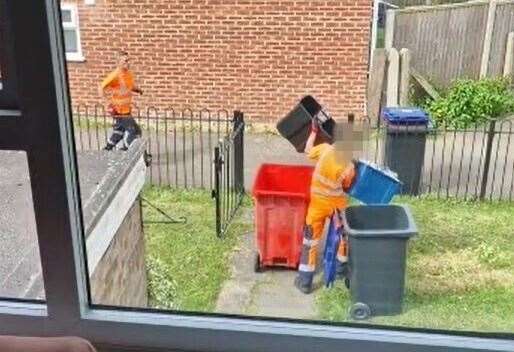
(380, 221)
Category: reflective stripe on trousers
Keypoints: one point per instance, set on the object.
(320, 209)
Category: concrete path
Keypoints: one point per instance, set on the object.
(268, 294)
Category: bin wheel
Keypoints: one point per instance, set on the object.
(258, 268)
(360, 311)
(347, 282)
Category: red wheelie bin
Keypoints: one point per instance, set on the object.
(282, 194)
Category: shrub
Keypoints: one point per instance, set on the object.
(469, 102)
(162, 290)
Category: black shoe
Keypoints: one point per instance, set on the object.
(109, 147)
(124, 148)
(342, 270)
(306, 289)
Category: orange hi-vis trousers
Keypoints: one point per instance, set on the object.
(320, 209)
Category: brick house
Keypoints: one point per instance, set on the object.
(259, 56)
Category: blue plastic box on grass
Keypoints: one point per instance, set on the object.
(373, 185)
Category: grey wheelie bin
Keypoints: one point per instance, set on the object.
(405, 141)
(377, 240)
(296, 125)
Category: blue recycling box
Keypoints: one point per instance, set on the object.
(373, 185)
(405, 116)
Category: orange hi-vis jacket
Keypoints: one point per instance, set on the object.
(328, 180)
(120, 82)
(328, 185)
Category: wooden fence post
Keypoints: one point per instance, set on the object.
(374, 33)
(405, 63)
(389, 29)
(486, 51)
(376, 84)
(393, 72)
(509, 56)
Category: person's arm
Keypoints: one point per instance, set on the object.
(312, 137)
(107, 82)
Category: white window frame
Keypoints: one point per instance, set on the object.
(42, 126)
(73, 25)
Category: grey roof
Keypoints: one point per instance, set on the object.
(100, 175)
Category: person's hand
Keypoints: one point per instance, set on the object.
(111, 110)
(314, 126)
(349, 175)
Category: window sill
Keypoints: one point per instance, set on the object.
(75, 58)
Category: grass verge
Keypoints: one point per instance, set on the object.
(460, 269)
(187, 263)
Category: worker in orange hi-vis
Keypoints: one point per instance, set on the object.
(118, 88)
(332, 177)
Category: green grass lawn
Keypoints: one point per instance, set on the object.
(460, 270)
(187, 263)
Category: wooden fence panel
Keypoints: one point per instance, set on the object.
(446, 41)
(407, 3)
(503, 25)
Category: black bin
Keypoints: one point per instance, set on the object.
(296, 125)
(404, 150)
(377, 240)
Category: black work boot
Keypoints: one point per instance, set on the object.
(342, 270)
(302, 286)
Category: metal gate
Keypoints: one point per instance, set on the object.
(228, 192)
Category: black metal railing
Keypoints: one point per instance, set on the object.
(476, 162)
(181, 142)
(229, 190)
(189, 149)
(470, 163)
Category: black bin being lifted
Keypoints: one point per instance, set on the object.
(296, 125)
(377, 240)
(405, 141)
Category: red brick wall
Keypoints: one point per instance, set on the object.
(259, 56)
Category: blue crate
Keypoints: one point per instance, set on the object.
(373, 185)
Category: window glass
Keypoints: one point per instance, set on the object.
(70, 40)
(206, 187)
(66, 16)
(70, 22)
(20, 265)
